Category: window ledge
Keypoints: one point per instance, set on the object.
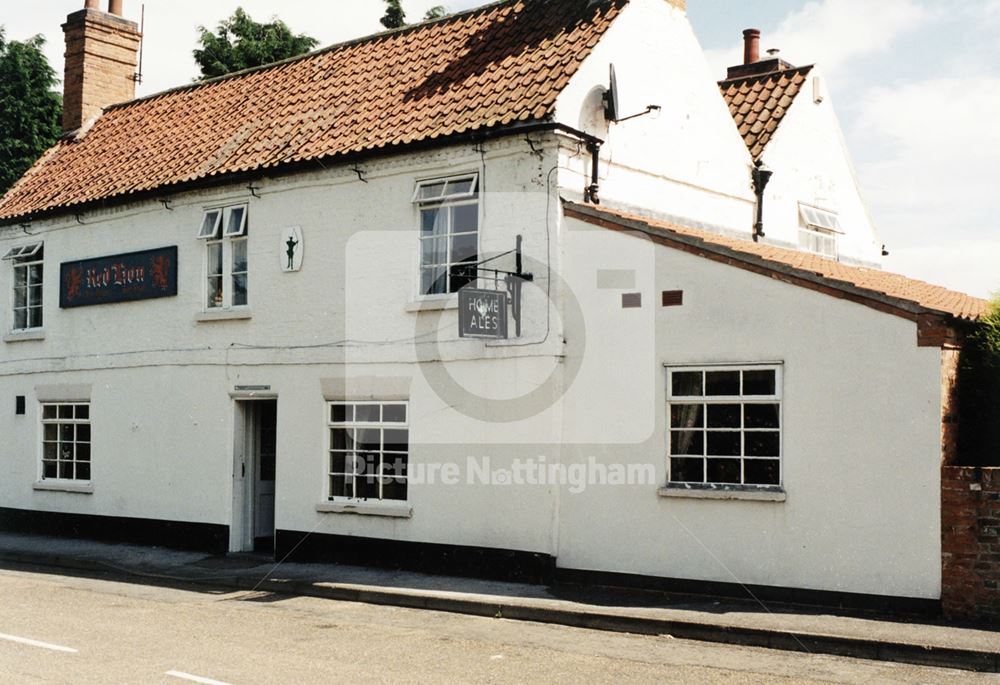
(744, 492)
(62, 486)
(23, 336)
(433, 304)
(224, 315)
(393, 510)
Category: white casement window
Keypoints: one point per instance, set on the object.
(368, 451)
(224, 231)
(818, 231)
(449, 233)
(28, 281)
(724, 425)
(66, 441)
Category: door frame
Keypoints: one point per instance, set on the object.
(246, 453)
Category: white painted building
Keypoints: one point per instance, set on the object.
(786, 116)
(219, 314)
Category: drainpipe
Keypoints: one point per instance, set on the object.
(760, 175)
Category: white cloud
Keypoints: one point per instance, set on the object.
(933, 189)
(834, 32)
(969, 266)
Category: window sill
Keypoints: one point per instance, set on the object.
(433, 304)
(744, 492)
(63, 486)
(239, 314)
(24, 336)
(399, 510)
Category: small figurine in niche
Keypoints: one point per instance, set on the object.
(292, 243)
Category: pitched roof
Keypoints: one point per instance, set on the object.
(892, 290)
(758, 103)
(479, 70)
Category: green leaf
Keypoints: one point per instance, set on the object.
(30, 108)
(240, 43)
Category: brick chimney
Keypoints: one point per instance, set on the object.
(753, 65)
(102, 51)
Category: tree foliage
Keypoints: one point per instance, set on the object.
(240, 43)
(30, 108)
(979, 392)
(395, 17)
(436, 12)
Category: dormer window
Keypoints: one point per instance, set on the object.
(449, 232)
(28, 281)
(818, 231)
(224, 230)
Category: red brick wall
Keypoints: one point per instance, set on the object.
(102, 52)
(970, 543)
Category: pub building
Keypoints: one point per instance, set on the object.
(242, 311)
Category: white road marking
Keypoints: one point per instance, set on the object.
(36, 643)
(195, 678)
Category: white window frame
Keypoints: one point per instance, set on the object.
(351, 455)
(819, 218)
(59, 422)
(446, 184)
(22, 252)
(229, 240)
(742, 400)
(819, 242)
(23, 258)
(446, 199)
(819, 230)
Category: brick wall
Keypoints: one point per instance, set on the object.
(970, 543)
(101, 58)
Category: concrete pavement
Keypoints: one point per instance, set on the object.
(740, 623)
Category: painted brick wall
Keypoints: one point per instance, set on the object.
(970, 543)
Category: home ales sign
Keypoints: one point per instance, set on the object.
(120, 278)
(482, 313)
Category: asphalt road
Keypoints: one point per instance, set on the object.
(62, 629)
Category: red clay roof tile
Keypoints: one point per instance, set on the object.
(490, 67)
(933, 298)
(769, 96)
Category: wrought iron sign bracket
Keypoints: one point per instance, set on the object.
(513, 280)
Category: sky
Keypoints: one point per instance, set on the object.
(916, 84)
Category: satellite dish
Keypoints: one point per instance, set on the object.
(611, 97)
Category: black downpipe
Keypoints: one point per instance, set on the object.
(760, 176)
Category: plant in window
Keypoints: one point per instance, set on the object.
(226, 262)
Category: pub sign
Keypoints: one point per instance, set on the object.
(127, 277)
(482, 313)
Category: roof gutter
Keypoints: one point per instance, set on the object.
(591, 192)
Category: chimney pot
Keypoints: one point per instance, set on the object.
(751, 46)
(92, 5)
(115, 7)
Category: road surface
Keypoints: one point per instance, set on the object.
(64, 629)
